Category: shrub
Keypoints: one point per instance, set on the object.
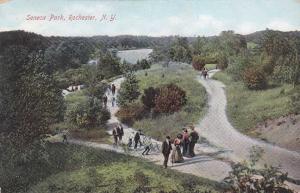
(131, 113)
(198, 62)
(170, 99)
(222, 62)
(129, 90)
(254, 78)
(148, 99)
(88, 114)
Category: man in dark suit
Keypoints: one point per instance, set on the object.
(166, 149)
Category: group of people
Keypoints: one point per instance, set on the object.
(112, 89)
(118, 133)
(182, 146)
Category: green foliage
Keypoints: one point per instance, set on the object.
(129, 90)
(109, 65)
(222, 61)
(246, 108)
(170, 99)
(30, 100)
(89, 114)
(198, 62)
(254, 78)
(148, 98)
(245, 178)
(295, 100)
(185, 77)
(238, 65)
(180, 51)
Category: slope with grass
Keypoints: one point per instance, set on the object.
(185, 77)
(246, 108)
(83, 169)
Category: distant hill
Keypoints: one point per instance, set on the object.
(257, 36)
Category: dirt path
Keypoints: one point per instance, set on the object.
(212, 161)
(216, 128)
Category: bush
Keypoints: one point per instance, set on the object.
(148, 99)
(254, 78)
(222, 62)
(88, 114)
(131, 113)
(170, 99)
(198, 63)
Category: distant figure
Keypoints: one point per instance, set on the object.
(166, 149)
(130, 140)
(65, 139)
(113, 101)
(120, 132)
(115, 136)
(137, 139)
(185, 142)
(194, 136)
(205, 73)
(104, 101)
(113, 89)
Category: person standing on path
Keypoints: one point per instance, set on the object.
(194, 136)
(120, 132)
(166, 149)
(113, 89)
(105, 101)
(137, 139)
(113, 101)
(185, 142)
(115, 135)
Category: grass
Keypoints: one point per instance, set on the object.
(185, 77)
(82, 169)
(246, 108)
(210, 66)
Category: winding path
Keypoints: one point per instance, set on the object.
(216, 128)
(213, 161)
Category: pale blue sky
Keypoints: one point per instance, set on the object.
(153, 17)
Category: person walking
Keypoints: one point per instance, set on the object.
(113, 101)
(185, 142)
(137, 139)
(65, 139)
(166, 149)
(115, 136)
(104, 101)
(113, 89)
(130, 140)
(194, 136)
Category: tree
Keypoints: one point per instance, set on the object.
(30, 99)
(170, 99)
(198, 62)
(129, 90)
(148, 99)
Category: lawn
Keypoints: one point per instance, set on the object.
(246, 107)
(83, 170)
(210, 66)
(185, 77)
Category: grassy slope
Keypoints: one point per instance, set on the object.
(246, 108)
(184, 77)
(81, 169)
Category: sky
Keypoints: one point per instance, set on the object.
(150, 17)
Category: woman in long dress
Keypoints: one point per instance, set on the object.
(176, 153)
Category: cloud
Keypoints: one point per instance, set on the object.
(246, 28)
(282, 25)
